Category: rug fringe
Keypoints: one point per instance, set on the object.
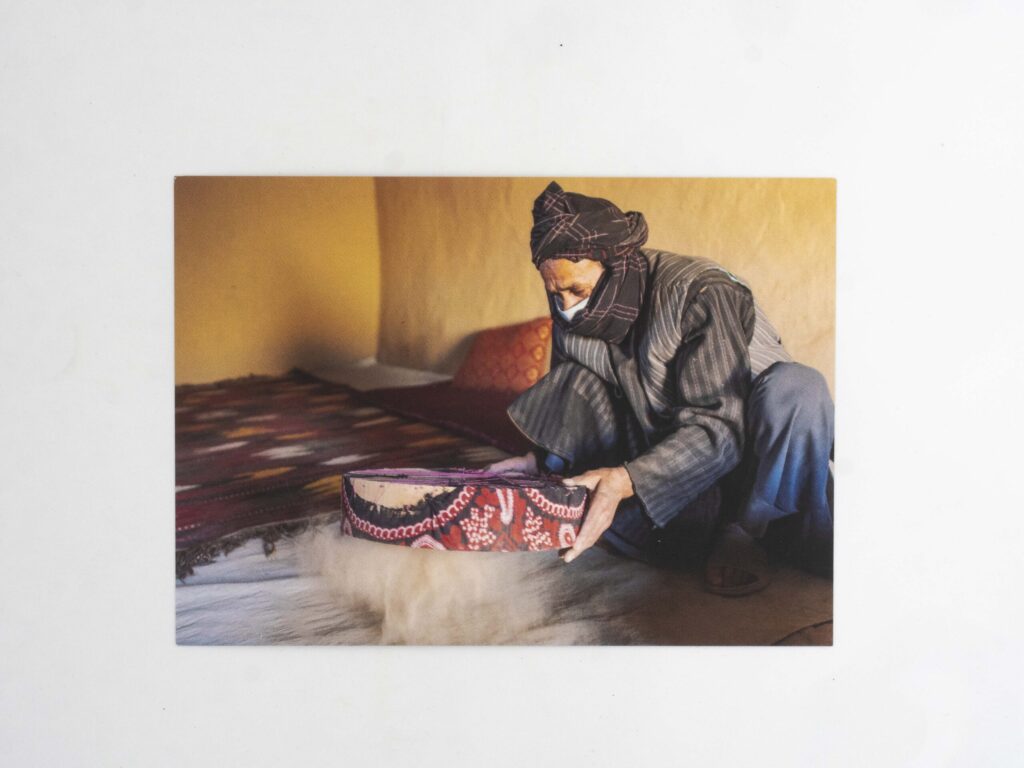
(186, 560)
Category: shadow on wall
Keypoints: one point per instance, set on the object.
(273, 272)
(312, 353)
(451, 361)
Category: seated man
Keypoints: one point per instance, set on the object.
(671, 397)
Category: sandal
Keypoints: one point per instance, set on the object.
(738, 550)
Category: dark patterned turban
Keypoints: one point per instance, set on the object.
(568, 225)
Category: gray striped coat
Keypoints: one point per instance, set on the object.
(668, 402)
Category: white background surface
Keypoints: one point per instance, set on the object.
(914, 107)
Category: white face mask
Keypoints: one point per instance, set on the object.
(576, 308)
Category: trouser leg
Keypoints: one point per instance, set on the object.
(785, 476)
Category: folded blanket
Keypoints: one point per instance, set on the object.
(479, 414)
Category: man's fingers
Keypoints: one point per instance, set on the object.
(580, 546)
(600, 510)
(577, 549)
(584, 542)
(598, 519)
(505, 465)
(587, 479)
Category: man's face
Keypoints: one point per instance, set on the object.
(570, 281)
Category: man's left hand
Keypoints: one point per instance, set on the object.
(608, 486)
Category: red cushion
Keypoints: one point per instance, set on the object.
(507, 359)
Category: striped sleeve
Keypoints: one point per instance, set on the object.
(705, 440)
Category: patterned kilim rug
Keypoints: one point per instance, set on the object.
(263, 456)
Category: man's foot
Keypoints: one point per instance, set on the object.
(737, 565)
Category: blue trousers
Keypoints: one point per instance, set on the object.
(780, 493)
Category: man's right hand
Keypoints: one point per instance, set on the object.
(526, 464)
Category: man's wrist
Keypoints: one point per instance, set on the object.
(624, 482)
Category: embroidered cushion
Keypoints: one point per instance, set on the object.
(462, 509)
